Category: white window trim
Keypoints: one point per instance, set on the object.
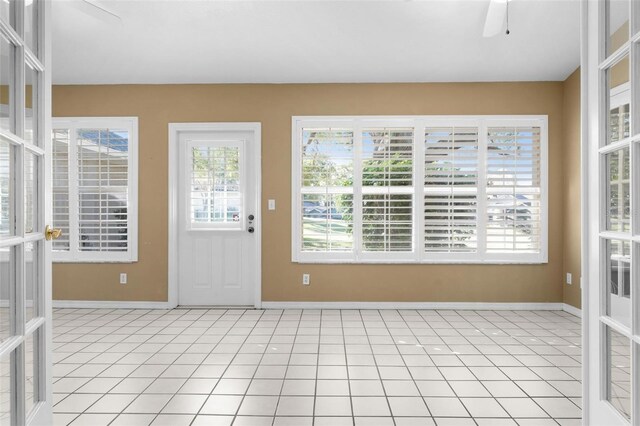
(74, 255)
(419, 123)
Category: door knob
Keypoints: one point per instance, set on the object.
(251, 230)
(52, 234)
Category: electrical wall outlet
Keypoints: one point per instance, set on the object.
(123, 278)
(272, 204)
(306, 279)
(568, 277)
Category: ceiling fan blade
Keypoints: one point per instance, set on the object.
(96, 9)
(495, 18)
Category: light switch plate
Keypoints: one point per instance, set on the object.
(272, 204)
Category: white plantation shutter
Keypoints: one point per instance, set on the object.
(95, 197)
(451, 189)
(465, 189)
(326, 201)
(514, 188)
(103, 189)
(387, 190)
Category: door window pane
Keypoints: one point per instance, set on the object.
(5, 391)
(31, 104)
(618, 273)
(618, 23)
(618, 194)
(6, 284)
(31, 370)
(31, 279)
(7, 11)
(216, 186)
(619, 372)
(60, 186)
(31, 25)
(30, 192)
(619, 99)
(6, 84)
(7, 170)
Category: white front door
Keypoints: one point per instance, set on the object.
(612, 234)
(218, 259)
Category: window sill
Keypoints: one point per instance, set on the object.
(537, 261)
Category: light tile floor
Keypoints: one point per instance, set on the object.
(253, 367)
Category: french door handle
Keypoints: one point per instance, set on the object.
(51, 233)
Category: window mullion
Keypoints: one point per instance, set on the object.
(357, 191)
(482, 215)
(74, 212)
(418, 185)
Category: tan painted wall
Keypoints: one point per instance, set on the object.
(273, 106)
(571, 202)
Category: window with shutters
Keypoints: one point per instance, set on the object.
(419, 189)
(94, 168)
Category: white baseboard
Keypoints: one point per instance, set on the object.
(572, 310)
(110, 304)
(475, 306)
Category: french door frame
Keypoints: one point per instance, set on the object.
(25, 55)
(598, 319)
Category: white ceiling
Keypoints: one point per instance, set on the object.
(186, 41)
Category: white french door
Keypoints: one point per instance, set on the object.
(612, 233)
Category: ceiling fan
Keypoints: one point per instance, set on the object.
(497, 14)
(97, 9)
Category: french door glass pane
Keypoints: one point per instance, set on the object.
(7, 11)
(618, 24)
(31, 25)
(31, 279)
(618, 92)
(7, 226)
(618, 272)
(6, 284)
(60, 184)
(618, 194)
(30, 371)
(31, 104)
(30, 192)
(5, 391)
(619, 372)
(6, 84)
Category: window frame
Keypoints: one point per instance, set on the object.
(74, 255)
(419, 123)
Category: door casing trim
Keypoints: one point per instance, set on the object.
(175, 129)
